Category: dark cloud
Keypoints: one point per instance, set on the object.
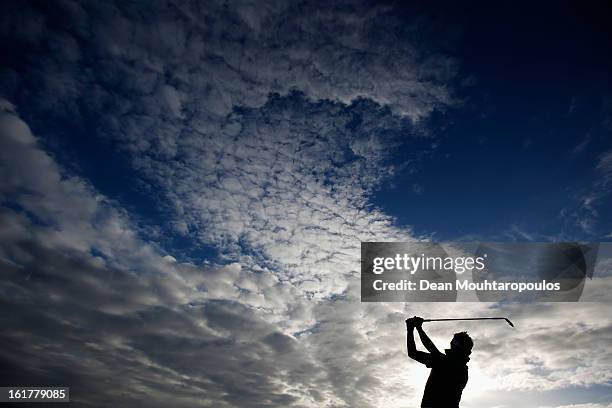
(171, 60)
(121, 337)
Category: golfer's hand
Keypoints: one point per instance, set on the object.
(414, 322)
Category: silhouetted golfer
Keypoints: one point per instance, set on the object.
(449, 372)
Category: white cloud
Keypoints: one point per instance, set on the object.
(605, 163)
(586, 212)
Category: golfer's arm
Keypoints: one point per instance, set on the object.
(410, 344)
(413, 353)
(429, 345)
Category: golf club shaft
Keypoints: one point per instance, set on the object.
(471, 318)
(467, 318)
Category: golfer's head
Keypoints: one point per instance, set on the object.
(462, 343)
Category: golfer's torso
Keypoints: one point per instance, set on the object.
(445, 385)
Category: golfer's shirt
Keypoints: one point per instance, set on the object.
(448, 377)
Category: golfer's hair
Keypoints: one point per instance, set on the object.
(464, 340)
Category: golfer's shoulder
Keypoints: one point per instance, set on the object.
(438, 356)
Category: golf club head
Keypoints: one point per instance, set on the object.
(509, 322)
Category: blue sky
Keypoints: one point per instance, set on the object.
(523, 147)
(184, 188)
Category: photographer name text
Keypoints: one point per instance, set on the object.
(486, 285)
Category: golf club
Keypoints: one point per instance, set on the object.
(471, 318)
